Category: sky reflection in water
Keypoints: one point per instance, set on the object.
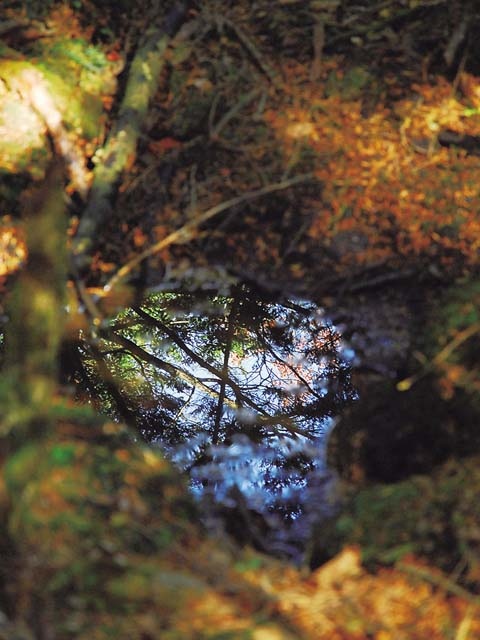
(268, 444)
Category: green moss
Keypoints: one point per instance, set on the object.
(437, 517)
(459, 308)
(81, 109)
(146, 582)
(77, 75)
(452, 343)
(22, 467)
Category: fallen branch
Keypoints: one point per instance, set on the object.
(120, 147)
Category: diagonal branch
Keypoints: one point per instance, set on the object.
(111, 384)
(190, 229)
(157, 362)
(263, 418)
(173, 335)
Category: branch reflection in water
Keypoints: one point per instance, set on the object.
(239, 392)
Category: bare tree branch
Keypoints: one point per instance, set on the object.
(173, 335)
(224, 374)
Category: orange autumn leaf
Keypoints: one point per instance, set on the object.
(139, 238)
(13, 251)
(164, 144)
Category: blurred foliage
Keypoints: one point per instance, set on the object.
(435, 517)
(87, 521)
(453, 347)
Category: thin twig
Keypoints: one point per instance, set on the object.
(224, 374)
(252, 50)
(439, 581)
(463, 631)
(243, 101)
(84, 297)
(446, 352)
(318, 45)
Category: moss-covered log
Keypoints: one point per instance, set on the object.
(119, 150)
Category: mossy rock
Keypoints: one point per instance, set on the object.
(107, 542)
(92, 515)
(436, 517)
(77, 76)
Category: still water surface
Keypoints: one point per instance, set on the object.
(241, 395)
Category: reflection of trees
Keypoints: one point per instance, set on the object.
(244, 365)
(223, 382)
